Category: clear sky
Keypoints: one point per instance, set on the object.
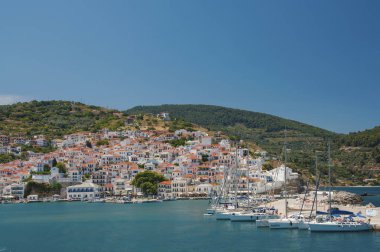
(313, 61)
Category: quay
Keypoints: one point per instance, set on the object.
(295, 204)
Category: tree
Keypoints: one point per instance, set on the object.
(148, 181)
(61, 167)
(5, 158)
(204, 158)
(102, 142)
(88, 144)
(149, 188)
(86, 176)
(54, 163)
(46, 168)
(267, 166)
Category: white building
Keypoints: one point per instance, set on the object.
(119, 187)
(15, 190)
(84, 191)
(179, 187)
(205, 188)
(165, 190)
(278, 174)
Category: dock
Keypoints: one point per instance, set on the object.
(294, 207)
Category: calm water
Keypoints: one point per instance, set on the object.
(168, 226)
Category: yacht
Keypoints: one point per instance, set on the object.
(332, 221)
(290, 222)
(254, 215)
(347, 224)
(226, 214)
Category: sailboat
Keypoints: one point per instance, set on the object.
(231, 209)
(304, 224)
(288, 222)
(254, 214)
(332, 222)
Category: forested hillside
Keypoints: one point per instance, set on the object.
(56, 118)
(351, 165)
(356, 156)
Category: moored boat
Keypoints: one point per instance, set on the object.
(339, 226)
(290, 222)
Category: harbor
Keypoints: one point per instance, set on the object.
(295, 208)
(168, 226)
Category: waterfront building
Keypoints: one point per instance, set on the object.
(179, 188)
(84, 191)
(165, 190)
(15, 190)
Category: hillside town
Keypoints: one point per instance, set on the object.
(103, 164)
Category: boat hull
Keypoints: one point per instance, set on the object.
(337, 227)
(263, 220)
(303, 225)
(223, 215)
(262, 223)
(283, 224)
(243, 217)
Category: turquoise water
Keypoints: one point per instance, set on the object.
(168, 226)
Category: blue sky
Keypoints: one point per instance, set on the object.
(313, 61)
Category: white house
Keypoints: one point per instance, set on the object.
(278, 174)
(84, 191)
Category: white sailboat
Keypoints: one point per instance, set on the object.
(339, 225)
(333, 224)
(231, 209)
(286, 222)
(254, 215)
(304, 224)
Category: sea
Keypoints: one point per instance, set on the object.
(168, 227)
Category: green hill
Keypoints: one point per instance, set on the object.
(367, 138)
(56, 118)
(265, 130)
(356, 155)
(351, 165)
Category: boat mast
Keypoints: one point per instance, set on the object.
(316, 184)
(286, 193)
(315, 200)
(329, 179)
(236, 175)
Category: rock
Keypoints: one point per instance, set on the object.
(345, 198)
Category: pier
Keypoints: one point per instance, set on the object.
(294, 207)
